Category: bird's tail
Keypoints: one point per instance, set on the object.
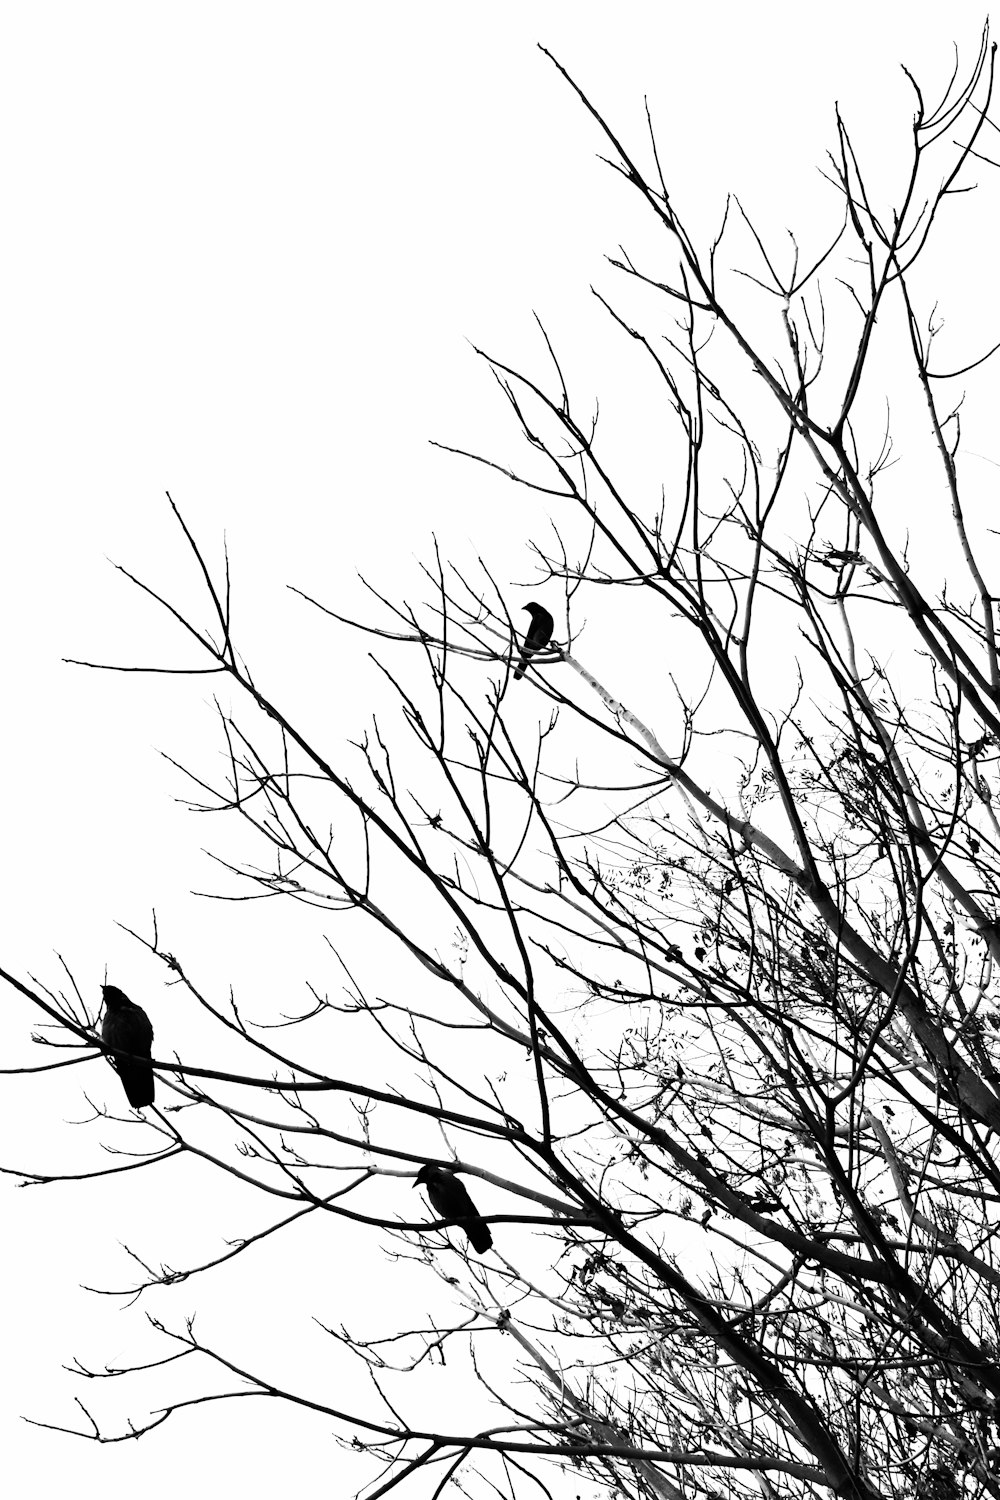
(479, 1235)
(519, 670)
(137, 1081)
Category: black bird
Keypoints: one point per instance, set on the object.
(450, 1200)
(539, 634)
(126, 1027)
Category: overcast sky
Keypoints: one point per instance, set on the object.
(247, 250)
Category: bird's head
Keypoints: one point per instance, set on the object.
(113, 996)
(427, 1174)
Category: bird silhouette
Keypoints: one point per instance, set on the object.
(126, 1027)
(539, 634)
(450, 1200)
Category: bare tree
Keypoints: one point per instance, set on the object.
(714, 1021)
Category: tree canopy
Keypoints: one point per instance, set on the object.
(697, 993)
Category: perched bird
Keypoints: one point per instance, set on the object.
(449, 1200)
(539, 634)
(126, 1027)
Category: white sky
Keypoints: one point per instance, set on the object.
(244, 248)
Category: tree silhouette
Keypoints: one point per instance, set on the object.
(713, 1022)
